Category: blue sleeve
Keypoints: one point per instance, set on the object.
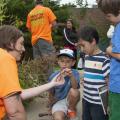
(52, 76)
(116, 40)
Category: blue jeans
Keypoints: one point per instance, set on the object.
(93, 111)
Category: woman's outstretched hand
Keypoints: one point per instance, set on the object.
(58, 80)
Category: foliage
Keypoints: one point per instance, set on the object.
(35, 72)
(54, 5)
(18, 10)
(82, 5)
(3, 10)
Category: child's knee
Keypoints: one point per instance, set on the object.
(59, 117)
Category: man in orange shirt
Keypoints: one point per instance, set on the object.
(11, 94)
(40, 21)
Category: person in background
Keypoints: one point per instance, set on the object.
(40, 22)
(11, 93)
(70, 37)
(63, 99)
(96, 72)
(111, 9)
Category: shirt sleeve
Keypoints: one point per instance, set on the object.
(51, 15)
(106, 67)
(52, 76)
(116, 40)
(28, 23)
(9, 82)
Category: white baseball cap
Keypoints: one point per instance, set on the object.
(67, 52)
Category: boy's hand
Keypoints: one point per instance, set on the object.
(66, 72)
(109, 50)
(58, 80)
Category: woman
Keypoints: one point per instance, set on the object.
(70, 37)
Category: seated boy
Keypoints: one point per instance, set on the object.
(64, 98)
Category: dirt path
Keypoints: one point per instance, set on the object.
(39, 105)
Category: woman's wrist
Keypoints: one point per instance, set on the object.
(51, 84)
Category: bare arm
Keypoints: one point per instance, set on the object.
(54, 24)
(32, 92)
(14, 107)
(109, 52)
(73, 82)
(107, 81)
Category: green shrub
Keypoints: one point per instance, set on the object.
(35, 72)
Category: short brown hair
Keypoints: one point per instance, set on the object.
(9, 34)
(110, 6)
(88, 33)
(38, 2)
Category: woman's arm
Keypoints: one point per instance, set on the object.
(14, 107)
(32, 92)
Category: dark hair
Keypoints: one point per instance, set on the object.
(9, 34)
(88, 33)
(38, 2)
(70, 20)
(110, 6)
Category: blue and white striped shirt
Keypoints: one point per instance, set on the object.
(97, 67)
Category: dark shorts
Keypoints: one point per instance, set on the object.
(92, 111)
(42, 47)
(114, 104)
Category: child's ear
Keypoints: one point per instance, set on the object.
(11, 46)
(94, 41)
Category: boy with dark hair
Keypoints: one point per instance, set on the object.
(111, 8)
(64, 98)
(96, 70)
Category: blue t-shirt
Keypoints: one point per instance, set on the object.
(115, 63)
(61, 92)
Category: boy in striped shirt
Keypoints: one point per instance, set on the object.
(96, 73)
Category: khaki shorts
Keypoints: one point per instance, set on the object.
(61, 105)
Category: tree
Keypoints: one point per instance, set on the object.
(3, 10)
(82, 3)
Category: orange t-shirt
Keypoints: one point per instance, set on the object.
(39, 22)
(9, 82)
